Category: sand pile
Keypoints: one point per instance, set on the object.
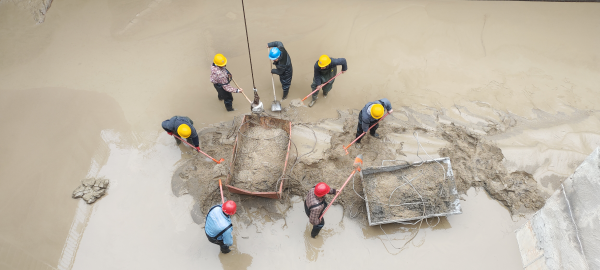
(476, 163)
(260, 159)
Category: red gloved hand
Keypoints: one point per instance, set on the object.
(197, 148)
(170, 133)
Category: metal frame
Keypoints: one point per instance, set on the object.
(454, 206)
(267, 122)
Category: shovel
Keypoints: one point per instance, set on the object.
(242, 91)
(357, 168)
(199, 151)
(363, 134)
(276, 105)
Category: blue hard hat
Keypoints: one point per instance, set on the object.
(274, 53)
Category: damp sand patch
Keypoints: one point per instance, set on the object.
(410, 192)
(260, 159)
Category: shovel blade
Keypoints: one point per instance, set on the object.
(276, 106)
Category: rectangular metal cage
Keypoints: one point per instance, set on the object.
(454, 205)
(266, 122)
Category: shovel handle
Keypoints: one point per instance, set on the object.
(272, 80)
(242, 91)
(363, 134)
(319, 87)
(200, 151)
(337, 194)
(221, 189)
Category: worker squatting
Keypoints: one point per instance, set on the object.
(218, 227)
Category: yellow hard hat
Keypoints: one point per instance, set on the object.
(377, 111)
(184, 131)
(324, 60)
(220, 60)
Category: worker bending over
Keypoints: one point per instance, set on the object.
(221, 77)
(315, 204)
(218, 227)
(369, 115)
(283, 63)
(184, 127)
(325, 69)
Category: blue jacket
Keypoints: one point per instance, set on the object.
(216, 221)
(172, 124)
(367, 119)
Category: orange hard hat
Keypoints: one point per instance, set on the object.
(321, 189)
(229, 207)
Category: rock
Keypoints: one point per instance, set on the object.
(78, 193)
(91, 189)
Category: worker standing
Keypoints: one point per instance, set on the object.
(325, 69)
(283, 63)
(369, 115)
(315, 204)
(221, 77)
(218, 227)
(184, 127)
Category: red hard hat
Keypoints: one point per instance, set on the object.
(321, 189)
(229, 207)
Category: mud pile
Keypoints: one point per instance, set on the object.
(408, 193)
(91, 189)
(476, 163)
(260, 159)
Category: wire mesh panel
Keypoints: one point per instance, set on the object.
(395, 194)
(260, 156)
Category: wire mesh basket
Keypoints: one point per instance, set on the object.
(266, 122)
(401, 193)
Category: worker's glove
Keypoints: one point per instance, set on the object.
(333, 191)
(274, 71)
(170, 133)
(197, 148)
(390, 111)
(229, 75)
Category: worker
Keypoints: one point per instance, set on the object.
(184, 127)
(315, 204)
(369, 115)
(221, 77)
(218, 227)
(283, 63)
(325, 69)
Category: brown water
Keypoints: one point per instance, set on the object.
(99, 70)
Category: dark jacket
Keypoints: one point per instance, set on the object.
(172, 124)
(285, 62)
(367, 119)
(327, 70)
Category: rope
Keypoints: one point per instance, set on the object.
(248, 42)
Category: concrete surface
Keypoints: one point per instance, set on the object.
(564, 234)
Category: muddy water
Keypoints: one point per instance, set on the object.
(526, 74)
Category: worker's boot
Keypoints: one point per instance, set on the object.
(357, 144)
(225, 249)
(284, 96)
(177, 141)
(376, 135)
(316, 229)
(312, 102)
